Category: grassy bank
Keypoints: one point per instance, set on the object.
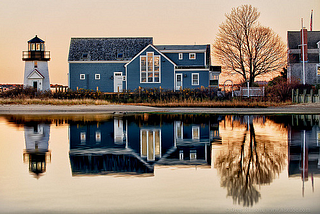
(244, 103)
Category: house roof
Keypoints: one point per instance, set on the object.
(294, 39)
(106, 49)
(177, 48)
(36, 39)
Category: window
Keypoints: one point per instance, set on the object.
(97, 76)
(195, 79)
(213, 79)
(181, 156)
(83, 137)
(120, 55)
(143, 69)
(150, 143)
(180, 56)
(33, 46)
(98, 136)
(192, 56)
(82, 76)
(195, 132)
(35, 64)
(150, 68)
(318, 70)
(179, 129)
(193, 154)
(38, 46)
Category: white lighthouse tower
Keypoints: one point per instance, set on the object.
(36, 73)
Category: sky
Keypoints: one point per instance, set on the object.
(167, 21)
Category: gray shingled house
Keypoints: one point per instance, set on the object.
(311, 56)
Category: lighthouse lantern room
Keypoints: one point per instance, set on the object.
(36, 73)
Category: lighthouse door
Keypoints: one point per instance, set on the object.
(35, 84)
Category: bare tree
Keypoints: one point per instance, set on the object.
(245, 47)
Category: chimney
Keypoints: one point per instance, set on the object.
(304, 44)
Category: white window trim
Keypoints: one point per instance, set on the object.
(153, 67)
(195, 56)
(198, 130)
(82, 76)
(180, 56)
(197, 74)
(97, 76)
(154, 148)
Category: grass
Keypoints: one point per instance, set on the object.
(244, 103)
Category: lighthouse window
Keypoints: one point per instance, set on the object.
(38, 46)
(35, 64)
(33, 47)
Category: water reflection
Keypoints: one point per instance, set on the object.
(134, 144)
(246, 151)
(251, 160)
(304, 152)
(37, 153)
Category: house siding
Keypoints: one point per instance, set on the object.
(106, 71)
(185, 61)
(187, 81)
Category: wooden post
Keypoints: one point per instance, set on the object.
(292, 95)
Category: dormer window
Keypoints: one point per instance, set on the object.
(120, 55)
(85, 56)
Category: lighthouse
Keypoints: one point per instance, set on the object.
(36, 73)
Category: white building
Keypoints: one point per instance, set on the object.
(36, 73)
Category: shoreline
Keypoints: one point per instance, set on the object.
(304, 108)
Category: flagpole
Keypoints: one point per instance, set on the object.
(303, 65)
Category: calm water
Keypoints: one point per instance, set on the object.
(158, 163)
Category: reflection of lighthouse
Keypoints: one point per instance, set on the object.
(36, 152)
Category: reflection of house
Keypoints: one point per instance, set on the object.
(37, 153)
(133, 144)
(304, 147)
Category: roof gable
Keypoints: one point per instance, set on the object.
(35, 74)
(153, 47)
(106, 49)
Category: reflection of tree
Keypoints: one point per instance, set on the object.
(248, 163)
